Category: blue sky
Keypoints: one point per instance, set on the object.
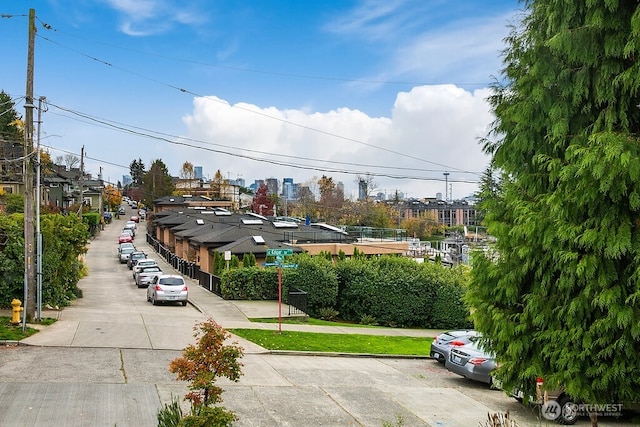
(259, 89)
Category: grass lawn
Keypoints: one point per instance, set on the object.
(303, 320)
(336, 343)
(14, 333)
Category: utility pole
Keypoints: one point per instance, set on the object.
(38, 233)
(29, 270)
(81, 181)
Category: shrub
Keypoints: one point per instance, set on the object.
(328, 313)
(368, 320)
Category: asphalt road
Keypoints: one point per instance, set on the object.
(105, 363)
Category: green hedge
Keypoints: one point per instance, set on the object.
(395, 291)
(64, 239)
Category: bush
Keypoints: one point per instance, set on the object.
(328, 313)
(368, 320)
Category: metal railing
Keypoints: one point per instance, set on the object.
(297, 301)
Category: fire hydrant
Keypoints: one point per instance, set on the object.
(17, 309)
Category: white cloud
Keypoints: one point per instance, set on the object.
(433, 129)
(147, 17)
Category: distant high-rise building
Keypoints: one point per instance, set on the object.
(272, 185)
(362, 189)
(198, 171)
(126, 180)
(288, 189)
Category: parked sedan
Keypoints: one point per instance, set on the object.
(134, 258)
(442, 344)
(147, 262)
(146, 275)
(167, 288)
(472, 362)
(125, 238)
(124, 254)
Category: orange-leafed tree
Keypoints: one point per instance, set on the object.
(201, 365)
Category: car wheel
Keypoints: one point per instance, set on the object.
(184, 303)
(153, 300)
(148, 298)
(568, 411)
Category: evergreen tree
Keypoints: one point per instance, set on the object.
(157, 182)
(559, 296)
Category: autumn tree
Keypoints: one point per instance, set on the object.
(331, 199)
(261, 203)
(201, 365)
(112, 197)
(188, 173)
(157, 182)
(217, 186)
(558, 296)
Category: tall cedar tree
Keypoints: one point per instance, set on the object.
(157, 182)
(559, 296)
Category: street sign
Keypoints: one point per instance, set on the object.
(279, 252)
(270, 264)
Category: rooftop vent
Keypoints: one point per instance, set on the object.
(200, 221)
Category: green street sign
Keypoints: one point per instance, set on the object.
(279, 252)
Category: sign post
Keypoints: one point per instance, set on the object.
(279, 254)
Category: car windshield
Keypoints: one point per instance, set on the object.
(150, 270)
(127, 250)
(172, 281)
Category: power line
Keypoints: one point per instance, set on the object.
(210, 99)
(146, 133)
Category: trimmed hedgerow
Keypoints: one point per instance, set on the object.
(394, 291)
(251, 283)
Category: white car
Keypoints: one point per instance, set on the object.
(143, 263)
(146, 275)
(168, 288)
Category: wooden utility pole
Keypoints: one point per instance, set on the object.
(29, 231)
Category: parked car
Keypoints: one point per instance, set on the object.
(167, 288)
(472, 362)
(130, 225)
(147, 262)
(134, 258)
(121, 210)
(146, 275)
(135, 218)
(442, 344)
(124, 254)
(125, 238)
(142, 214)
(121, 246)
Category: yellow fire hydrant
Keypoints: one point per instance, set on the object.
(17, 309)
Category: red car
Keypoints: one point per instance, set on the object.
(135, 218)
(125, 238)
